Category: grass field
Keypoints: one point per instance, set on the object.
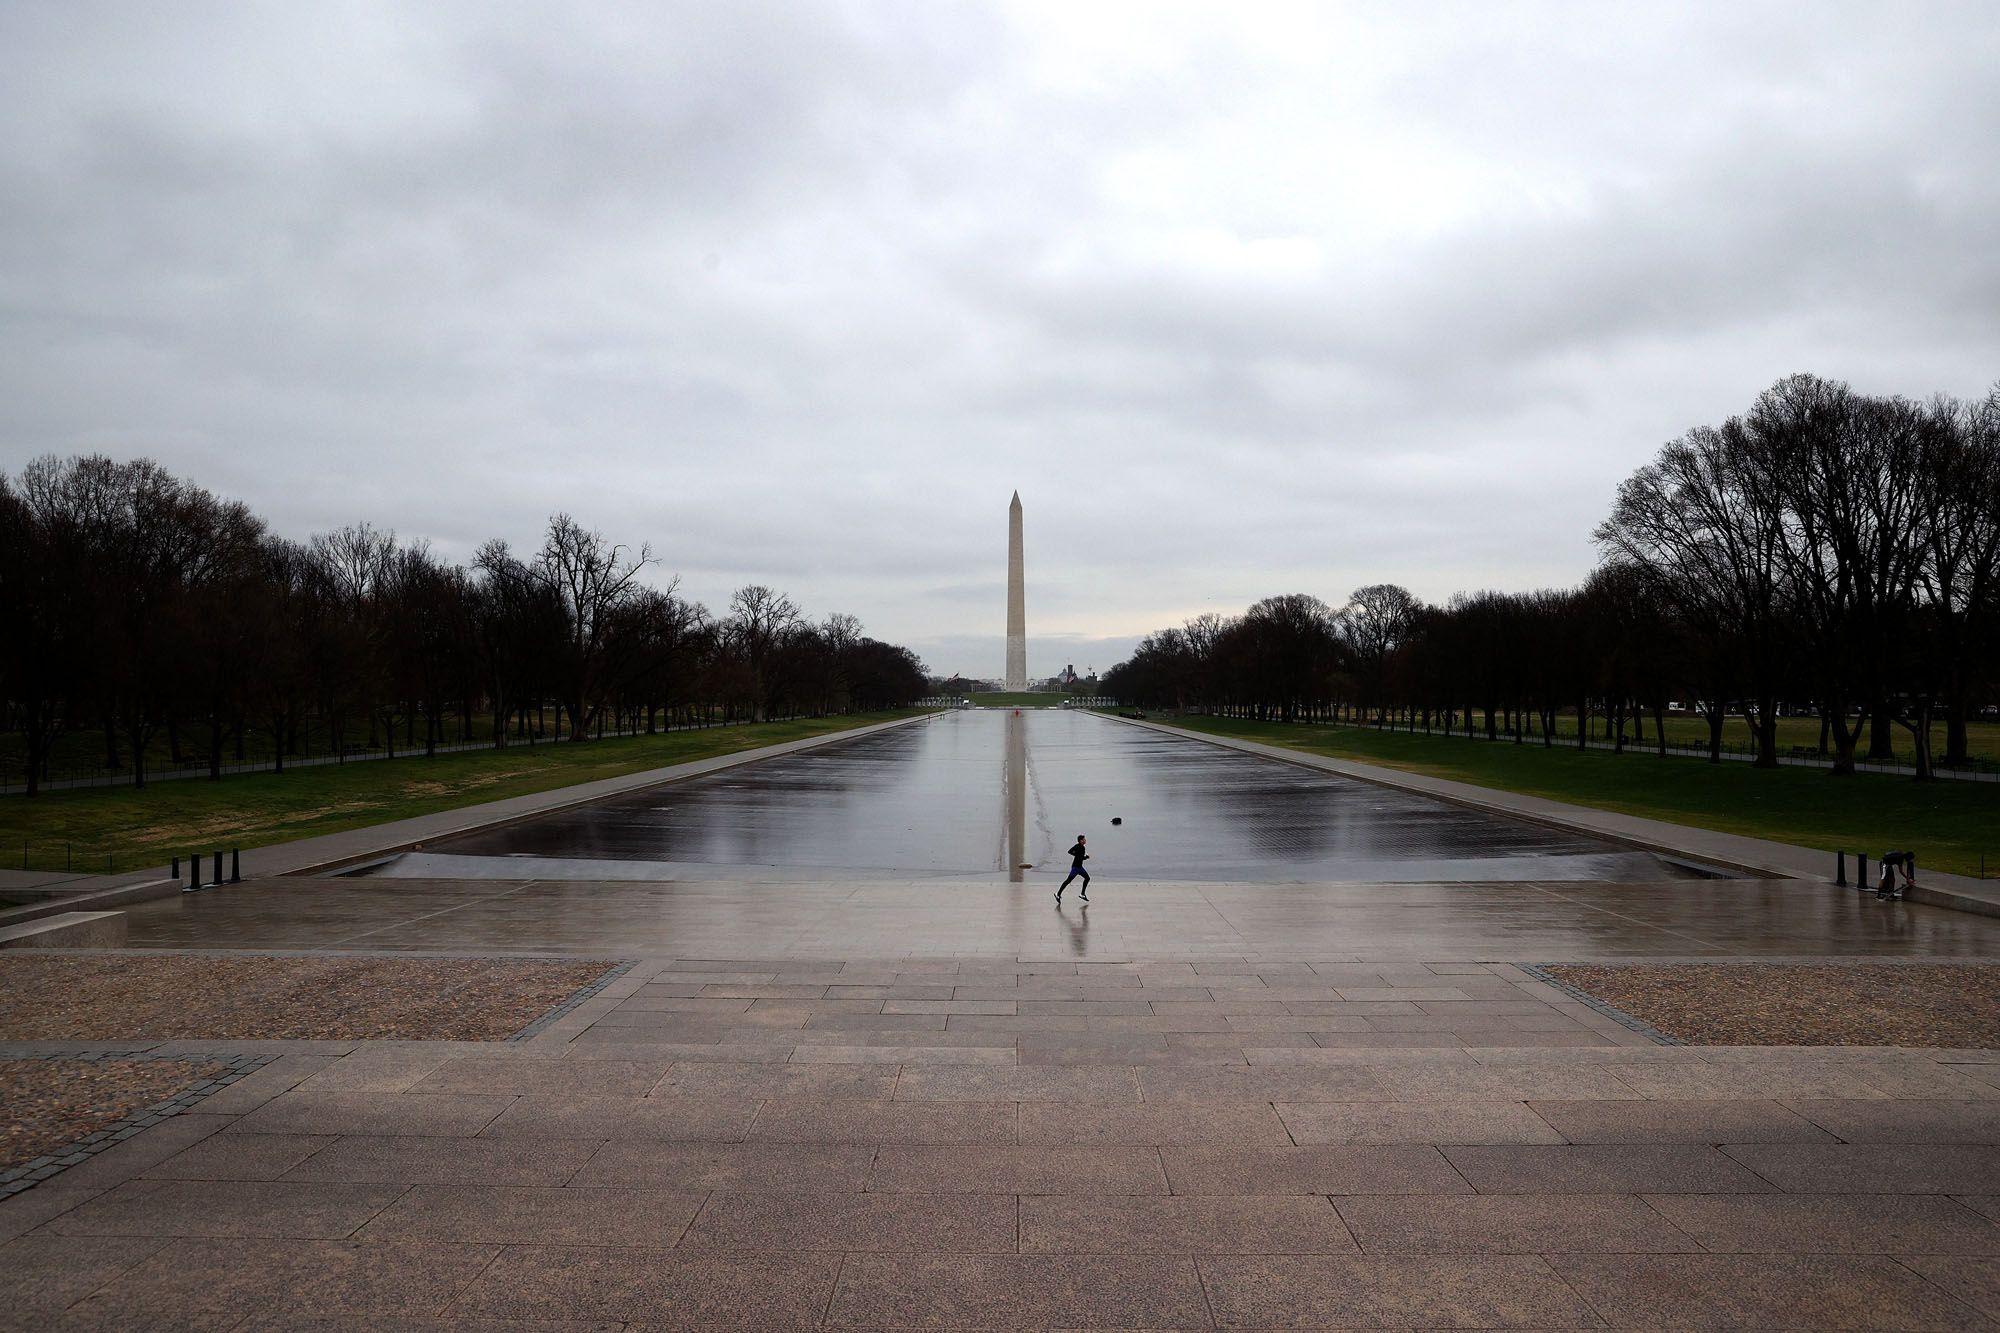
(1018, 699)
(1948, 824)
(121, 828)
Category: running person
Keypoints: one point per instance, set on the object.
(1077, 856)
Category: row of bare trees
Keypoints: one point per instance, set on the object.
(1824, 552)
(138, 606)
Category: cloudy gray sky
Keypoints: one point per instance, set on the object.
(1243, 298)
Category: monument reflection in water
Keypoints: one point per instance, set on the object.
(1014, 795)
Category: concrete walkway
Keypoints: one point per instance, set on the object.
(1755, 855)
(985, 1142)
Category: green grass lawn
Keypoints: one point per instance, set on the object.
(1018, 699)
(90, 829)
(1948, 824)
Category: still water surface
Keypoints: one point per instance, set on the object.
(991, 793)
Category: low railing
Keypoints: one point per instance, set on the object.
(60, 857)
(1797, 756)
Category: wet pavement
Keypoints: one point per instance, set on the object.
(1001, 795)
(714, 918)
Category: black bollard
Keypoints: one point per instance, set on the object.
(235, 865)
(1861, 869)
(1840, 870)
(218, 867)
(177, 869)
(194, 872)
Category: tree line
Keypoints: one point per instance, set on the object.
(1824, 552)
(135, 603)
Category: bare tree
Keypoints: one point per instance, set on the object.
(286, 607)
(1374, 624)
(592, 580)
(1965, 583)
(1296, 651)
(1845, 468)
(351, 564)
(759, 619)
(1956, 475)
(45, 597)
(1700, 518)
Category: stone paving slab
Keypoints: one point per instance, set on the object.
(1043, 1291)
(1338, 1291)
(659, 1289)
(228, 1208)
(47, 1273)
(1434, 1122)
(1905, 1121)
(205, 1283)
(527, 1215)
(449, 1115)
(952, 1123)
(1260, 1224)
(1233, 1124)
(1017, 1170)
(1674, 1121)
(730, 1168)
(1820, 1223)
(1604, 1169)
(1763, 1291)
(1974, 1281)
(255, 1157)
(1867, 1168)
(1510, 1224)
(856, 1223)
(419, 1161)
(552, 1116)
(1310, 1170)
(591, 1077)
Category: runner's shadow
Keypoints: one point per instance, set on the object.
(1079, 930)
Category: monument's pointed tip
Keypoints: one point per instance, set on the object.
(1017, 497)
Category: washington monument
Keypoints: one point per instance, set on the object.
(1017, 614)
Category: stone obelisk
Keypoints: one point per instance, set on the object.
(1017, 613)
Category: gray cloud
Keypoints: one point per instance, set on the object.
(1288, 298)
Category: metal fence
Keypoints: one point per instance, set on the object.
(65, 857)
(1797, 756)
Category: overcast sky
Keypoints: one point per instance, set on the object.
(1244, 299)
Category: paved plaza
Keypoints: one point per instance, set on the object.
(942, 1102)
